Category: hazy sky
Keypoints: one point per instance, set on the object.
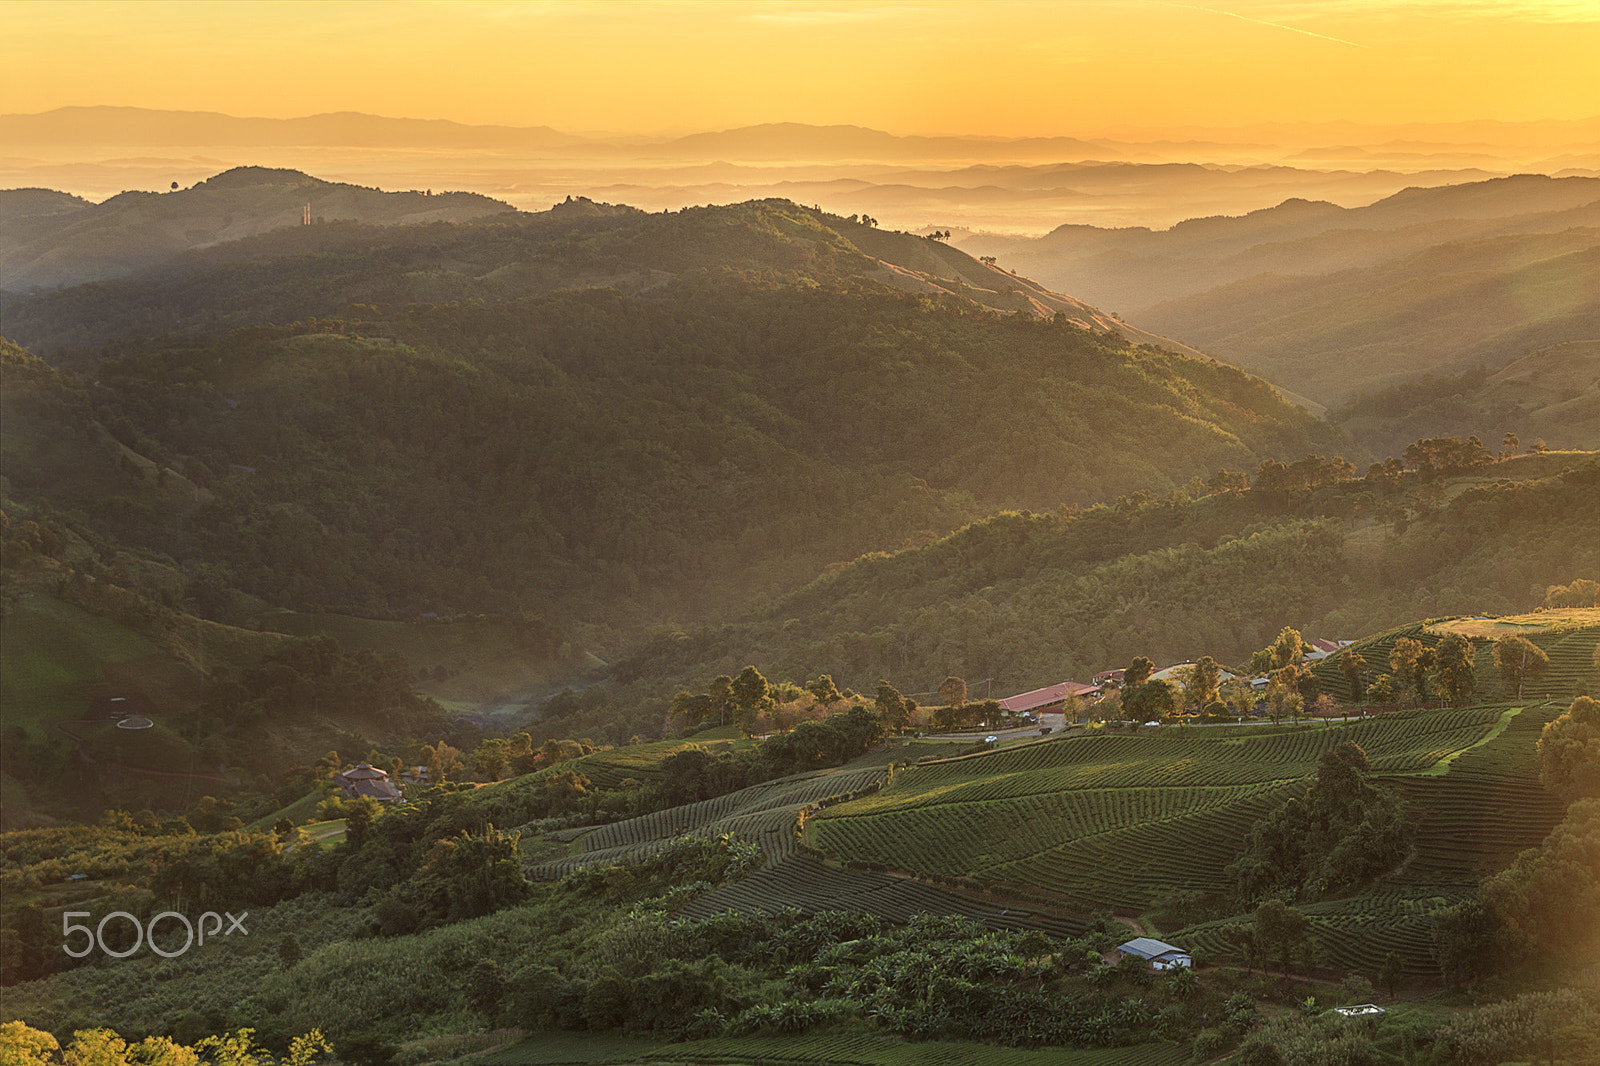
(917, 66)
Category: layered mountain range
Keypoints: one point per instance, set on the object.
(1332, 301)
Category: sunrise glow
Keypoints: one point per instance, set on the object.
(999, 68)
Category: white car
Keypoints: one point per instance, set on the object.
(990, 739)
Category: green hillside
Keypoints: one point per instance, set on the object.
(1032, 599)
(600, 459)
(49, 242)
(1551, 395)
(1443, 310)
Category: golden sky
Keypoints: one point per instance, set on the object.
(1001, 67)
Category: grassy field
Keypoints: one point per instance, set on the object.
(53, 660)
(1522, 624)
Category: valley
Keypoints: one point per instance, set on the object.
(672, 566)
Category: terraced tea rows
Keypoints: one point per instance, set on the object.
(763, 814)
(804, 884)
(1118, 820)
(1571, 652)
(1471, 821)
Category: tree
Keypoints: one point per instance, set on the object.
(1469, 941)
(720, 693)
(1406, 660)
(1457, 678)
(1137, 673)
(824, 690)
(1581, 593)
(1152, 700)
(1282, 932)
(1509, 445)
(442, 760)
(750, 690)
(1393, 970)
(1351, 662)
(1569, 751)
(490, 757)
(1518, 660)
(1204, 681)
(953, 692)
(891, 706)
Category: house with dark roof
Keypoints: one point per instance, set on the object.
(1158, 953)
(367, 780)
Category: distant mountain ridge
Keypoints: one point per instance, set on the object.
(1329, 301)
(51, 239)
(138, 126)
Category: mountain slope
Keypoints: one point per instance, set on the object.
(1441, 310)
(742, 405)
(138, 229)
(1551, 396)
(1329, 301)
(1027, 600)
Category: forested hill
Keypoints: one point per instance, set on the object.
(1032, 599)
(50, 239)
(669, 443)
(248, 261)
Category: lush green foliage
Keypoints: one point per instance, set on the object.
(1343, 834)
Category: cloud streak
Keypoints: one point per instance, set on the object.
(1262, 22)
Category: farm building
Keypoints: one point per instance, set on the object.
(367, 780)
(1360, 1010)
(1321, 649)
(1170, 673)
(1160, 954)
(1045, 697)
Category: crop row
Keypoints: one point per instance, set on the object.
(1397, 742)
(1135, 864)
(809, 886)
(763, 814)
(1571, 655)
(963, 838)
(1355, 935)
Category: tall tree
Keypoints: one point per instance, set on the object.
(1519, 660)
(1351, 662)
(1152, 700)
(825, 690)
(891, 706)
(1283, 932)
(1405, 665)
(1137, 673)
(1569, 751)
(1204, 681)
(953, 692)
(752, 694)
(1457, 678)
